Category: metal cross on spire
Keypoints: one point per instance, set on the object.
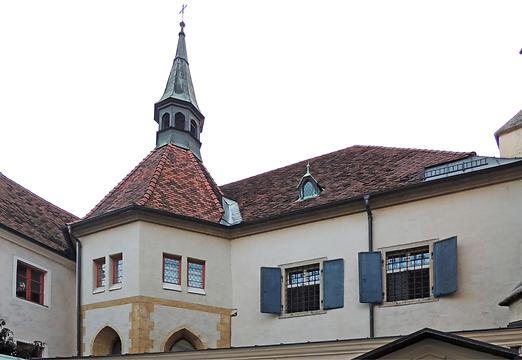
(182, 12)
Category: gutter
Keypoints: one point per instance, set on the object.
(366, 199)
(78, 291)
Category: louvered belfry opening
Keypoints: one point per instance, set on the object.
(408, 274)
(302, 288)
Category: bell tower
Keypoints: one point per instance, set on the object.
(177, 113)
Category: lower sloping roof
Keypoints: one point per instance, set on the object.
(449, 338)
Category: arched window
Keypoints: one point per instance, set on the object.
(179, 121)
(165, 121)
(107, 342)
(193, 129)
(308, 186)
(183, 340)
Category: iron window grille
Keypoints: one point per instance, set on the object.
(171, 269)
(303, 288)
(408, 274)
(196, 273)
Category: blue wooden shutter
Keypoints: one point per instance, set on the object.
(271, 290)
(370, 277)
(333, 284)
(445, 267)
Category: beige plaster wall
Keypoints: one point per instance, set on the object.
(515, 311)
(486, 221)
(510, 144)
(117, 317)
(157, 239)
(53, 322)
(122, 239)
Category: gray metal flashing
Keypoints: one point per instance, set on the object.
(469, 164)
(232, 215)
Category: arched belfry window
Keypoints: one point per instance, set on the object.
(165, 121)
(179, 121)
(193, 129)
(308, 187)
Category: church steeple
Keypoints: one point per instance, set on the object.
(177, 113)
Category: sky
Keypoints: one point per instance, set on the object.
(278, 82)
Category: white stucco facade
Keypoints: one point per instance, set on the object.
(53, 321)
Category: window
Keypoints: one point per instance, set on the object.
(302, 288)
(196, 274)
(172, 269)
(117, 268)
(99, 273)
(408, 274)
(308, 186)
(309, 190)
(30, 283)
(165, 121)
(179, 121)
(193, 129)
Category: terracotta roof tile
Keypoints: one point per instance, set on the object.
(345, 174)
(170, 179)
(30, 215)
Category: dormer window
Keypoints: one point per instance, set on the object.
(308, 187)
(165, 121)
(179, 121)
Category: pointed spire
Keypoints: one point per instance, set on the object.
(179, 85)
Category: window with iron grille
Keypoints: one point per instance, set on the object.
(172, 269)
(30, 283)
(196, 273)
(408, 274)
(302, 288)
(117, 268)
(99, 273)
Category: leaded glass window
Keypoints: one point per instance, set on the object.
(171, 269)
(196, 274)
(408, 274)
(302, 288)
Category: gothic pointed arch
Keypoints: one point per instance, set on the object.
(106, 342)
(183, 340)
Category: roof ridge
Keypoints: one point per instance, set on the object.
(154, 180)
(203, 171)
(469, 153)
(39, 197)
(119, 184)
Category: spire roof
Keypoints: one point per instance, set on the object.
(179, 85)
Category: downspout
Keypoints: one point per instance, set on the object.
(370, 249)
(78, 292)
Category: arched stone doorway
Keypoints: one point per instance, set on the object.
(183, 340)
(107, 342)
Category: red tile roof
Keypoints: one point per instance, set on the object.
(170, 179)
(345, 174)
(33, 217)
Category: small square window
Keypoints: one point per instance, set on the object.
(196, 273)
(117, 268)
(408, 274)
(99, 273)
(30, 283)
(302, 288)
(172, 269)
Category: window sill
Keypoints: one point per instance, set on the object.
(409, 302)
(169, 286)
(304, 313)
(115, 287)
(34, 303)
(98, 290)
(198, 291)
